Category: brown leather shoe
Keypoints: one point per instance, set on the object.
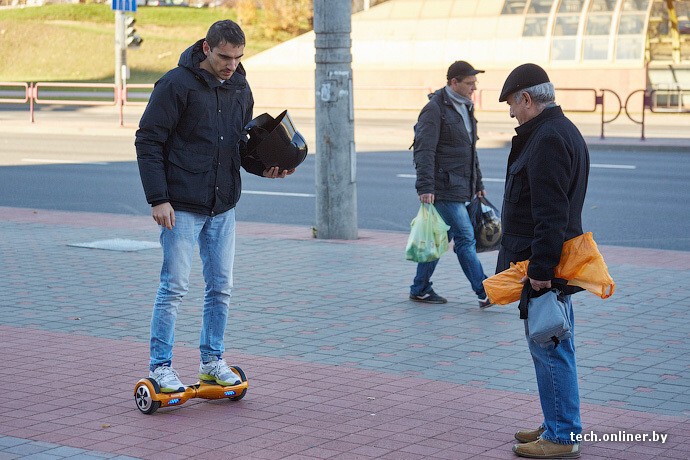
(529, 435)
(541, 448)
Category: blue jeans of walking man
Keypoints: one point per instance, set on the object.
(461, 232)
(559, 395)
(215, 236)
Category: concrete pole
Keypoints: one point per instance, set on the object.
(336, 192)
(120, 47)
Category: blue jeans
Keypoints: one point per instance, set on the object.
(455, 215)
(559, 394)
(216, 239)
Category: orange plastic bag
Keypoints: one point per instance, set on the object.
(581, 265)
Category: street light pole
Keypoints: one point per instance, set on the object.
(336, 192)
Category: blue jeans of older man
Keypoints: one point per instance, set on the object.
(559, 394)
(215, 236)
(455, 215)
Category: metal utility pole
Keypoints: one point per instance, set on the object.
(336, 192)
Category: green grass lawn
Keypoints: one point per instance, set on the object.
(76, 43)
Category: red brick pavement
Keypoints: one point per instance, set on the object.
(293, 410)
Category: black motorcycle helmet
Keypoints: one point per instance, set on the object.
(275, 141)
(489, 234)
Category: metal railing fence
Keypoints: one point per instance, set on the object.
(666, 100)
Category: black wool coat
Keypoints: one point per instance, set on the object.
(546, 183)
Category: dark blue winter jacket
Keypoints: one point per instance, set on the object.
(190, 138)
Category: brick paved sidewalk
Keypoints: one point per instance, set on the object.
(340, 364)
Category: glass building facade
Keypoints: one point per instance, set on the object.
(584, 30)
(618, 45)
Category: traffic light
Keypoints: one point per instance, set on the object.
(132, 40)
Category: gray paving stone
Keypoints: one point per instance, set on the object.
(632, 348)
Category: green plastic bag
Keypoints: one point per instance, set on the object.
(428, 235)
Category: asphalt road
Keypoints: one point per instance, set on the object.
(637, 199)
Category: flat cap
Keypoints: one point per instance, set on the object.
(521, 77)
(461, 69)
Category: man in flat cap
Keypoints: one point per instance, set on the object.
(448, 175)
(546, 181)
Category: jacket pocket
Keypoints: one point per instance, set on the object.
(459, 183)
(513, 188)
(188, 177)
(518, 244)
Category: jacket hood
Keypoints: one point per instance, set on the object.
(192, 57)
(438, 92)
(442, 94)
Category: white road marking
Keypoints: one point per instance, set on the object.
(260, 192)
(609, 166)
(55, 161)
(491, 179)
(414, 176)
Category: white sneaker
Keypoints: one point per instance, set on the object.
(167, 379)
(219, 372)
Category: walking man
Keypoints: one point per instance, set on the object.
(448, 175)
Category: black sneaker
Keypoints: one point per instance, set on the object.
(485, 303)
(429, 297)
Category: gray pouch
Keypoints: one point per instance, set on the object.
(547, 321)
